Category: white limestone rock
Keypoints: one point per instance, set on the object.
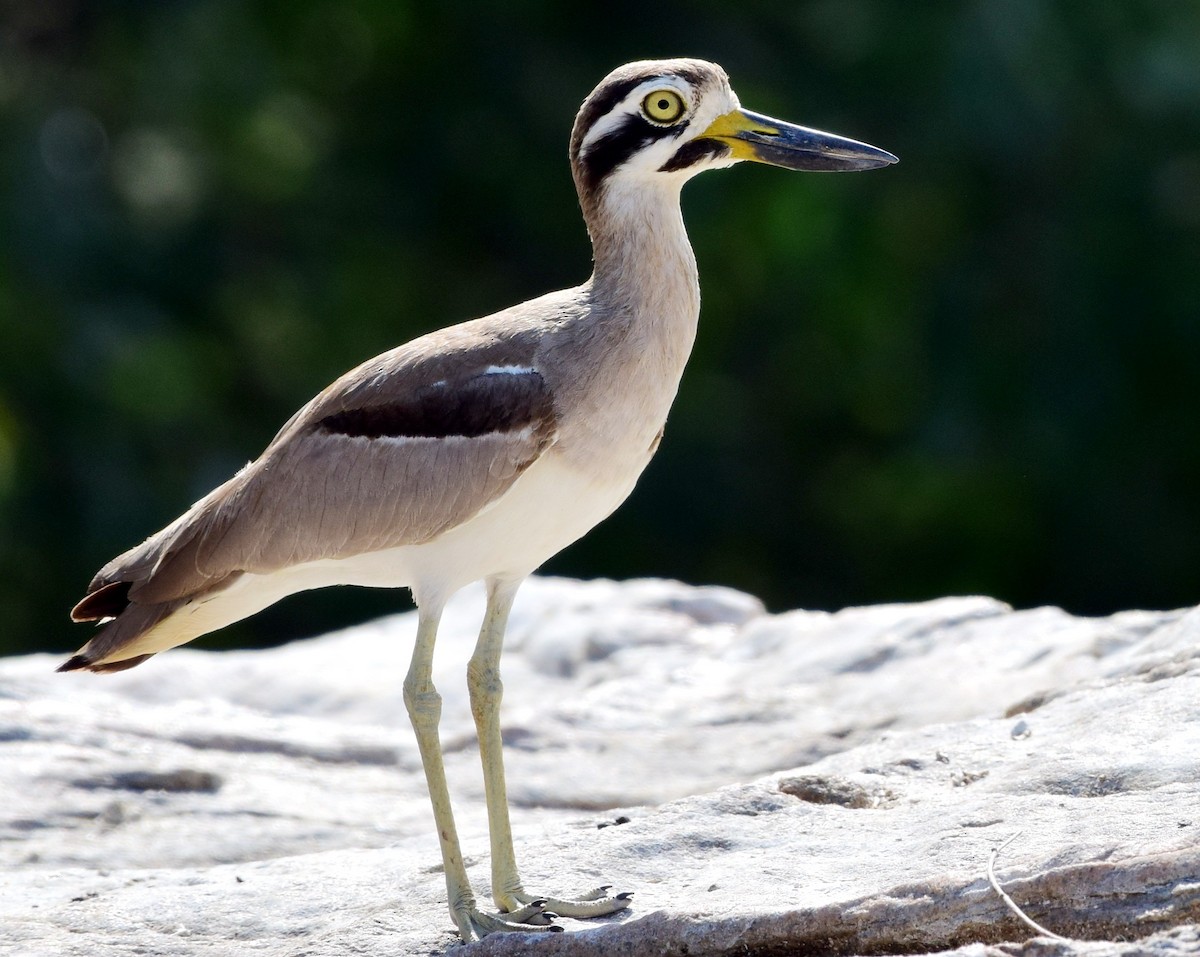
(796, 783)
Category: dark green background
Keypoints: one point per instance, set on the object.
(973, 372)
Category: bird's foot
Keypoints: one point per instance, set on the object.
(532, 917)
(596, 902)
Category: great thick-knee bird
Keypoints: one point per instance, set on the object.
(479, 451)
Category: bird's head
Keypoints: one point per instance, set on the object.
(666, 120)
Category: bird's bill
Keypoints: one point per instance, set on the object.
(752, 136)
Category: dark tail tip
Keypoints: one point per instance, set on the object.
(80, 662)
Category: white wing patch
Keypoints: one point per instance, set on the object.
(396, 441)
(508, 370)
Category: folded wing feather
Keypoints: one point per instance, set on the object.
(394, 453)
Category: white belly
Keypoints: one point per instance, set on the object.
(550, 506)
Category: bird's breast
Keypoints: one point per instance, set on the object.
(615, 413)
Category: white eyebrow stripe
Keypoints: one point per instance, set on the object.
(509, 370)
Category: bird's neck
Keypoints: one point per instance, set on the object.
(643, 303)
(644, 265)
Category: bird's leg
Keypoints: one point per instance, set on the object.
(486, 688)
(425, 710)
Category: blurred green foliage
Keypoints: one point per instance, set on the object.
(973, 372)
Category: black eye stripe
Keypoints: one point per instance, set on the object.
(600, 106)
(615, 147)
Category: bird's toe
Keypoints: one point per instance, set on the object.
(533, 918)
(596, 902)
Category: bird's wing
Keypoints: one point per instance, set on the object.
(399, 450)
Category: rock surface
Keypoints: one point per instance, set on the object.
(804, 783)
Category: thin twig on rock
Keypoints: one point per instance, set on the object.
(991, 874)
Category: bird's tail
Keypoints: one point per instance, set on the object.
(125, 630)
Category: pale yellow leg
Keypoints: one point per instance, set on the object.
(425, 710)
(486, 689)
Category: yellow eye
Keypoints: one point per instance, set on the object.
(663, 106)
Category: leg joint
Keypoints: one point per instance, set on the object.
(483, 679)
(423, 703)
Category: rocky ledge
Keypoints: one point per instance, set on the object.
(801, 783)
